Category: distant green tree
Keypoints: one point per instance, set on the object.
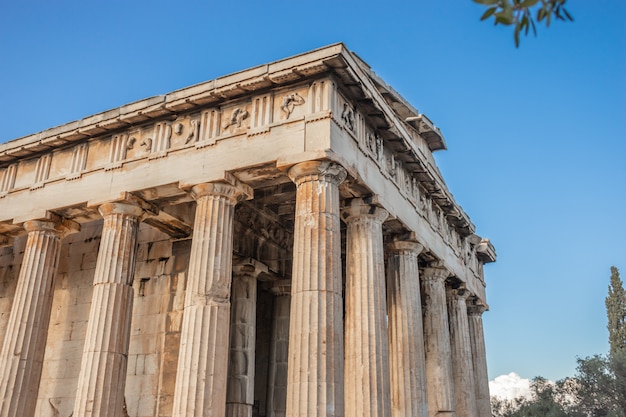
(616, 313)
(598, 391)
(524, 14)
(599, 387)
(548, 400)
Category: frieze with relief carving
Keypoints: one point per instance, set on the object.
(372, 145)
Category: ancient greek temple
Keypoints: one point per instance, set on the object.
(274, 242)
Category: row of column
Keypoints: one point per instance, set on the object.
(391, 369)
(388, 364)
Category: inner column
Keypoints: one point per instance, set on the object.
(102, 377)
(279, 347)
(201, 377)
(240, 393)
(406, 334)
(315, 371)
(437, 344)
(367, 391)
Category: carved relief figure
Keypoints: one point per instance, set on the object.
(422, 203)
(408, 187)
(237, 118)
(370, 140)
(441, 221)
(147, 143)
(391, 166)
(194, 134)
(131, 143)
(416, 191)
(379, 148)
(289, 102)
(348, 116)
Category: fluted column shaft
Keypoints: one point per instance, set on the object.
(240, 393)
(23, 349)
(367, 391)
(462, 364)
(479, 355)
(102, 377)
(406, 331)
(201, 378)
(315, 371)
(437, 343)
(279, 347)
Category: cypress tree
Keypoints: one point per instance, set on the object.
(616, 312)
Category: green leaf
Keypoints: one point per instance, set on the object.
(524, 25)
(516, 36)
(504, 17)
(529, 3)
(488, 13)
(557, 13)
(541, 13)
(487, 2)
(569, 16)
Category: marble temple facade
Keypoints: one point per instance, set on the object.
(275, 242)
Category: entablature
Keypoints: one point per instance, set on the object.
(255, 120)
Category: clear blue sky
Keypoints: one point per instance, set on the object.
(536, 135)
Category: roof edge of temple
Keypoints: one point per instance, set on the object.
(284, 71)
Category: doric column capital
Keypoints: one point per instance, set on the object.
(52, 223)
(249, 267)
(476, 309)
(126, 209)
(233, 193)
(281, 287)
(435, 273)
(406, 246)
(324, 170)
(59, 228)
(359, 208)
(461, 293)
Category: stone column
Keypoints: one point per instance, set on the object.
(315, 371)
(437, 343)
(462, 364)
(406, 331)
(102, 377)
(481, 378)
(279, 347)
(367, 391)
(201, 378)
(24, 345)
(240, 388)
